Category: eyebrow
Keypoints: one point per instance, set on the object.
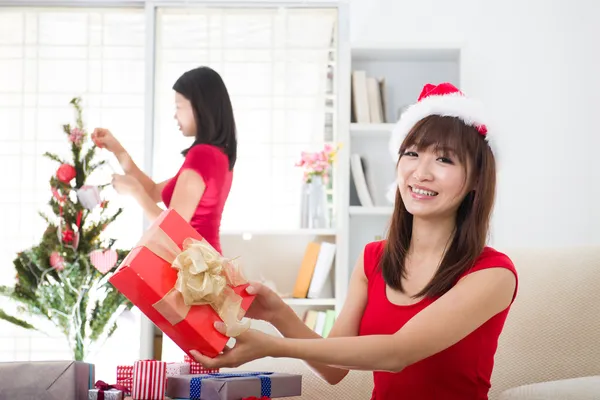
(445, 149)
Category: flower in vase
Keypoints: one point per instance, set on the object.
(318, 163)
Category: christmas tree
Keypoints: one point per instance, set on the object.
(64, 278)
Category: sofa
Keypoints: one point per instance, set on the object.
(550, 346)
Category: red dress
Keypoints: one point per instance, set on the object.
(460, 372)
(213, 166)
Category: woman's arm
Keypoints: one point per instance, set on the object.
(186, 196)
(470, 303)
(346, 324)
(152, 189)
(474, 300)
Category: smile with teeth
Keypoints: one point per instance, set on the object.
(423, 192)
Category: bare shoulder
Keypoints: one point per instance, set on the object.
(495, 261)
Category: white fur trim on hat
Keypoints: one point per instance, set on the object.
(451, 105)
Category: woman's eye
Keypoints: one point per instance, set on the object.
(410, 154)
(446, 160)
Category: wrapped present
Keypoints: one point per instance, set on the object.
(149, 380)
(104, 391)
(234, 386)
(178, 369)
(125, 377)
(65, 380)
(197, 368)
(183, 285)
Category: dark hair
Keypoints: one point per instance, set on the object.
(473, 214)
(213, 111)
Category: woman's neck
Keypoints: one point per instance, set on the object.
(431, 237)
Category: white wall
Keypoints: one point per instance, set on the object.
(536, 65)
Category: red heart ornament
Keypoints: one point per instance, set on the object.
(103, 260)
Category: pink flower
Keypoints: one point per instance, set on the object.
(76, 136)
(317, 163)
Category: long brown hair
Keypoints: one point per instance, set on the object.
(473, 214)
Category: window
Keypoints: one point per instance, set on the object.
(47, 57)
(276, 71)
(278, 74)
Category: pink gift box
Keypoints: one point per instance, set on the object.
(149, 380)
(174, 369)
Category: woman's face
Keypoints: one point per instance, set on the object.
(432, 184)
(184, 115)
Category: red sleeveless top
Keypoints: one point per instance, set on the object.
(460, 372)
(212, 164)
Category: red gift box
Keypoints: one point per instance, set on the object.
(125, 377)
(149, 380)
(154, 277)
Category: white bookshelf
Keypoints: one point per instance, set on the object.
(405, 68)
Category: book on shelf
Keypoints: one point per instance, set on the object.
(313, 276)
(320, 321)
(359, 188)
(368, 98)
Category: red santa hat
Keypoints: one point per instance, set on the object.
(444, 100)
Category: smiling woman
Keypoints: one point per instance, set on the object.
(442, 164)
(426, 306)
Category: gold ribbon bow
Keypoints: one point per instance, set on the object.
(203, 277)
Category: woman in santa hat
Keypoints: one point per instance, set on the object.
(425, 306)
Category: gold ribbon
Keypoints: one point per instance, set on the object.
(203, 277)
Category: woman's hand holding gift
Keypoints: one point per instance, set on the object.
(250, 345)
(267, 305)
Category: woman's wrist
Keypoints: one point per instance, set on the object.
(285, 319)
(277, 347)
(124, 160)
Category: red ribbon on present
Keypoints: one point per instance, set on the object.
(103, 386)
(256, 398)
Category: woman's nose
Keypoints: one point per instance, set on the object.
(423, 171)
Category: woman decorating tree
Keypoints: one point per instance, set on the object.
(425, 306)
(199, 190)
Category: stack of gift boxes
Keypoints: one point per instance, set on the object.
(158, 380)
(145, 380)
(127, 379)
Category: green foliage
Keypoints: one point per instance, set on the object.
(71, 294)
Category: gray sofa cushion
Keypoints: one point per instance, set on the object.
(586, 388)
